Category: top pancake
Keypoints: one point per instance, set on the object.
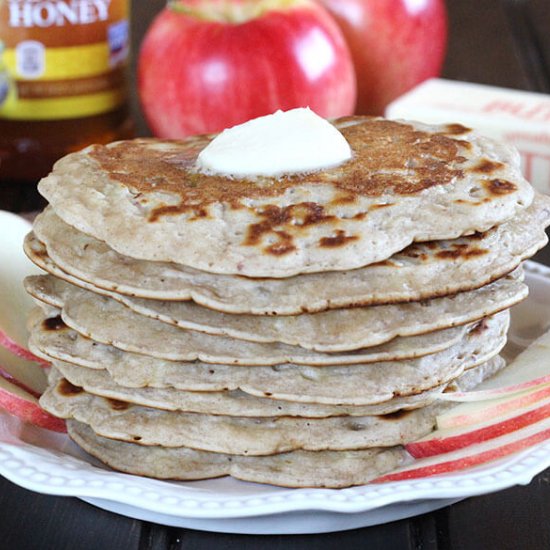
(406, 182)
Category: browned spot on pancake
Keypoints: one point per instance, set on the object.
(431, 245)
(340, 239)
(117, 405)
(477, 236)
(456, 129)
(381, 205)
(175, 210)
(283, 246)
(388, 157)
(308, 213)
(38, 249)
(383, 263)
(343, 199)
(296, 216)
(360, 216)
(461, 251)
(414, 253)
(480, 328)
(67, 389)
(466, 144)
(487, 166)
(53, 323)
(499, 187)
(397, 415)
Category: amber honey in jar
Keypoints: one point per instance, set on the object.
(62, 81)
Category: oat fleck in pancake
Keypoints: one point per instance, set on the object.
(406, 182)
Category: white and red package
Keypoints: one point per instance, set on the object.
(517, 117)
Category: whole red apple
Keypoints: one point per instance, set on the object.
(207, 65)
(395, 44)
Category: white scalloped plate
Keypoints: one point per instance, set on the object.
(49, 463)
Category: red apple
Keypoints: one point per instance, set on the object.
(25, 406)
(395, 44)
(207, 65)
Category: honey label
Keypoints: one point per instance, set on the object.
(62, 59)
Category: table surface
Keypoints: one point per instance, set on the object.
(498, 42)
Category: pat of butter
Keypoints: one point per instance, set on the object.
(519, 118)
(282, 143)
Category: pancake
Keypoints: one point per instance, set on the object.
(363, 384)
(420, 272)
(252, 436)
(331, 331)
(239, 403)
(294, 469)
(295, 330)
(406, 182)
(108, 322)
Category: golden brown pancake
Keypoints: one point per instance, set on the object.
(406, 182)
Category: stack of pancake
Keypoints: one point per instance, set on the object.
(294, 330)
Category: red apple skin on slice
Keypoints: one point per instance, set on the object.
(15, 304)
(435, 445)
(449, 466)
(19, 351)
(7, 376)
(494, 393)
(494, 409)
(16, 401)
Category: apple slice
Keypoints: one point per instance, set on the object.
(7, 376)
(531, 365)
(13, 347)
(451, 439)
(473, 413)
(18, 402)
(15, 304)
(495, 393)
(524, 382)
(473, 455)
